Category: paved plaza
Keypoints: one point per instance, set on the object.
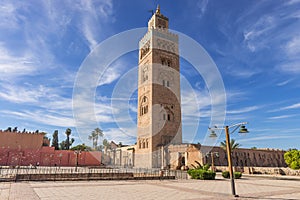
(247, 188)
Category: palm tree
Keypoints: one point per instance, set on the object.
(106, 144)
(95, 135)
(233, 145)
(68, 133)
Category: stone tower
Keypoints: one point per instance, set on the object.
(159, 104)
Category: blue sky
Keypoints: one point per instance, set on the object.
(255, 45)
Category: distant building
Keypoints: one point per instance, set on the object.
(184, 156)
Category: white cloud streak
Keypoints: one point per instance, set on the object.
(294, 106)
(202, 4)
(41, 117)
(243, 110)
(281, 117)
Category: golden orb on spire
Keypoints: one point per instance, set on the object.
(158, 9)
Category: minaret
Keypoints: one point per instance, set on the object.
(159, 104)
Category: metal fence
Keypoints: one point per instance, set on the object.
(10, 174)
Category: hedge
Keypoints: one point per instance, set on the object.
(202, 174)
(237, 175)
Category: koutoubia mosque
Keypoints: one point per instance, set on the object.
(159, 107)
(159, 125)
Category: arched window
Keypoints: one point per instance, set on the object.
(165, 61)
(166, 83)
(144, 106)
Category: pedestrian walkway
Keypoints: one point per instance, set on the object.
(246, 188)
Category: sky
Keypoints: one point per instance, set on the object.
(255, 46)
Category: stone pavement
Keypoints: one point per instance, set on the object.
(247, 188)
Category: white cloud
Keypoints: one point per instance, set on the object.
(13, 66)
(133, 108)
(291, 2)
(8, 15)
(243, 110)
(126, 136)
(265, 138)
(110, 75)
(255, 31)
(202, 4)
(281, 117)
(37, 95)
(33, 52)
(290, 67)
(243, 73)
(293, 47)
(41, 116)
(284, 82)
(93, 13)
(16, 94)
(89, 34)
(294, 106)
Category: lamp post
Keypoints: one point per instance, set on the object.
(212, 159)
(228, 148)
(77, 152)
(60, 155)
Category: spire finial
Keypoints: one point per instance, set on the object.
(158, 9)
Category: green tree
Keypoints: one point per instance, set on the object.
(95, 136)
(46, 141)
(82, 147)
(233, 144)
(106, 144)
(55, 140)
(62, 145)
(292, 158)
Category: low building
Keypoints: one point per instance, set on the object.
(188, 155)
(241, 157)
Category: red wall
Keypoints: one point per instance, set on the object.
(18, 140)
(48, 156)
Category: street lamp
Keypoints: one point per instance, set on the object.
(212, 159)
(60, 155)
(77, 152)
(228, 148)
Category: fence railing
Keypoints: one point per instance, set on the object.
(8, 174)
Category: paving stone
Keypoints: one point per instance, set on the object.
(247, 188)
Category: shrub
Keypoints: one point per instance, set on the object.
(202, 174)
(225, 174)
(199, 166)
(236, 175)
(292, 158)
